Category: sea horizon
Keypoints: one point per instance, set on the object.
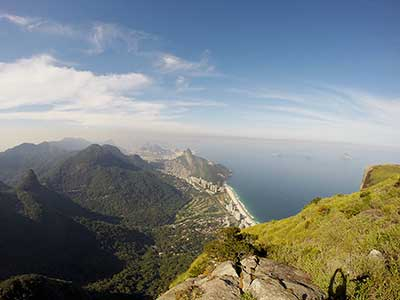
(275, 180)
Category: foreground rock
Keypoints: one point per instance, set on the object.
(261, 278)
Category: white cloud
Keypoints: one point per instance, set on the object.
(41, 80)
(169, 63)
(42, 89)
(72, 95)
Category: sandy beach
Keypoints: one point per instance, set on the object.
(238, 209)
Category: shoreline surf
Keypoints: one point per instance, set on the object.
(238, 209)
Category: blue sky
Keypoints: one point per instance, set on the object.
(315, 70)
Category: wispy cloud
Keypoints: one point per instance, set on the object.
(270, 94)
(34, 24)
(103, 36)
(97, 36)
(326, 112)
(18, 20)
(183, 84)
(197, 103)
(168, 63)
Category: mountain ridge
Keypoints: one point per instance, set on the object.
(39, 157)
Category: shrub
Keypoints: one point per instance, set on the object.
(232, 244)
(247, 296)
(323, 210)
(364, 194)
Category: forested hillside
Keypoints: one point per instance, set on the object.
(104, 220)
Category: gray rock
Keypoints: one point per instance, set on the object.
(269, 289)
(221, 288)
(279, 280)
(263, 278)
(226, 268)
(375, 254)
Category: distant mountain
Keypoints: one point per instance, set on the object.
(154, 152)
(39, 157)
(189, 164)
(104, 180)
(112, 143)
(71, 144)
(156, 149)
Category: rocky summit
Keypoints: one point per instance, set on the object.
(252, 278)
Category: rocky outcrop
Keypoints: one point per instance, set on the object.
(257, 278)
(197, 168)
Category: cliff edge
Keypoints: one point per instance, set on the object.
(378, 173)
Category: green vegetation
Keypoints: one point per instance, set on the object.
(115, 225)
(339, 233)
(38, 223)
(103, 180)
(173, 249)
(36, 287)
(247, 296)
(376, 174)
(121, 229)
(349, 244)
(230, 244)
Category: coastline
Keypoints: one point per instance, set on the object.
(238, 209)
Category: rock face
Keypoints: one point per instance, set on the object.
(262, 278)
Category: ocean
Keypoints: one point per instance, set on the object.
(276, 179)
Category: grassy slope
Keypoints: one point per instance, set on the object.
(339, 232)
(376, 174)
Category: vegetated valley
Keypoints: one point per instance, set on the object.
(108, 222)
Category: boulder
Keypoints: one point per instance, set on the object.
(262, 278)
(375, 255)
